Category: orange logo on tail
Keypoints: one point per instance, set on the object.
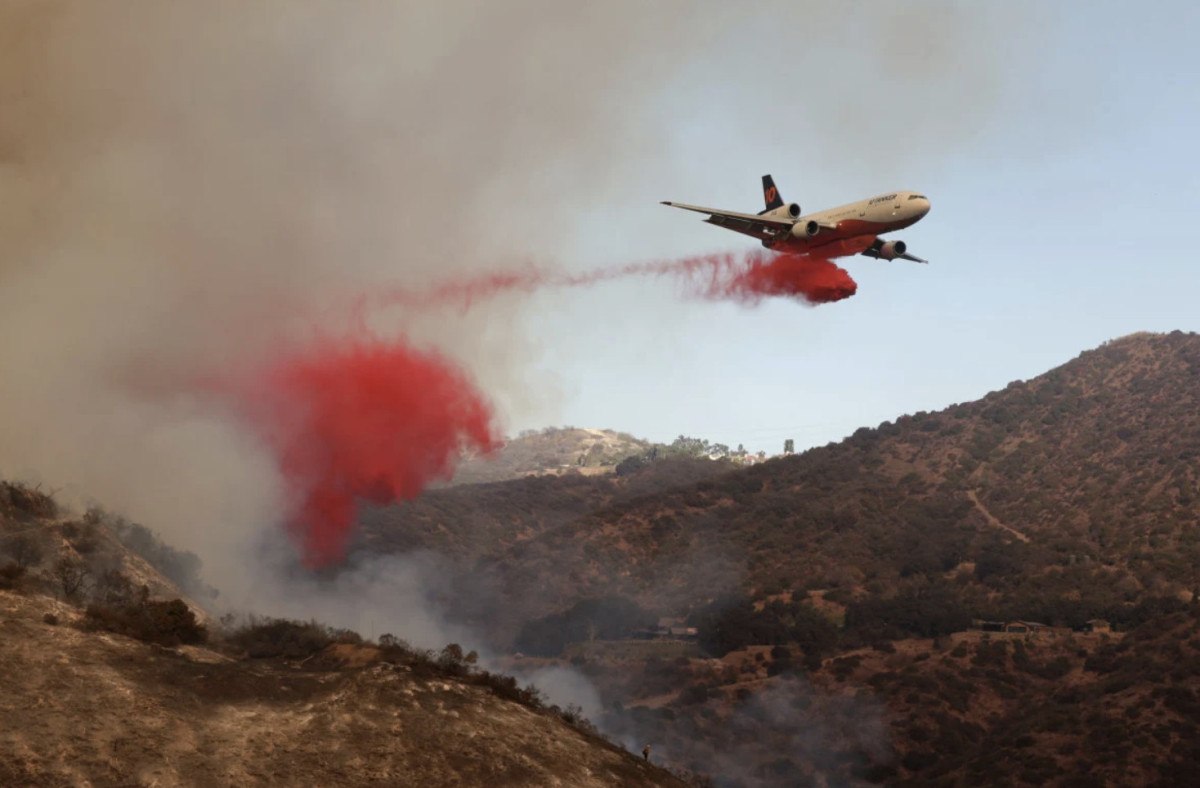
(771, 195)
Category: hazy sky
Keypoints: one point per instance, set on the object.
(1057, 142)
(189, 186)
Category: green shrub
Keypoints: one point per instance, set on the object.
(733, 622)
(925, 612)
(26, 502)
(179, 566)
(507, 687)
(25, 549)
(604, 618)
(168, 623)
(693, 694)
(280, 638)
(991, 654)
(918, 760)
(12, 577)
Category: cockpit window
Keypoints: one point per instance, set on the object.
(916, 196)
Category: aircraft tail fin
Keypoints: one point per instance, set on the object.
(771, 194)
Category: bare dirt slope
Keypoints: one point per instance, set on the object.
(554, 450)
(93, 708)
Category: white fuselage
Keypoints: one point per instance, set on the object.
(850, 229)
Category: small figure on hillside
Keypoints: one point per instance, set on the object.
(646, 752)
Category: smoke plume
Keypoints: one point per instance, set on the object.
(354, 420)
(188, 185)
(186, 188)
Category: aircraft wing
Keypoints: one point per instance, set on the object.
(759, 227)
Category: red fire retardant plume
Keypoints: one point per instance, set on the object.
(796, 276)
(747, 277)
(364, 420)
(378, 421)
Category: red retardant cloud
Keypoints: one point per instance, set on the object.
(364, 420)
(812, 279)
(379, 420)
(748, 277)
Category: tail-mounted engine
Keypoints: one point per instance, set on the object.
(789, 211)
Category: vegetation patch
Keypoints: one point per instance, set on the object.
(167, 623)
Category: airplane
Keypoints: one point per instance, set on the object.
(838, 232)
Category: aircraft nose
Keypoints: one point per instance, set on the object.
(924, 204)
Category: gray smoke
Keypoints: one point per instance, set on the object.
(786, 732)
(186, 184)
(183, 185)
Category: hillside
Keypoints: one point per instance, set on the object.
(109, 677)
(553, 450)
(971, 708)
(468, 525)
(96, 708)
(470, 522)
(832, 596)
(1113, 711)
(833, 592)
(51, 551)
(1066, 497)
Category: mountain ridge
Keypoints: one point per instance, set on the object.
(1084, 474)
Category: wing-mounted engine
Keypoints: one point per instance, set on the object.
(806, 229)
(890, 250)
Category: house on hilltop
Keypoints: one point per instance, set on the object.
(1011, 627)
(1027, 627)
(675, 629)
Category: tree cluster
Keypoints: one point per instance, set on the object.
(179, 566)
(26, 502)
(736, 622)
(600, 618)
(167, 622)
(278, 638)
(930, 611)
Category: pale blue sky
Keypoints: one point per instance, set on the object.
(1056, 141)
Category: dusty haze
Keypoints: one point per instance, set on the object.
(185, 186)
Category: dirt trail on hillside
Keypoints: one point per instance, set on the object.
(992, 519)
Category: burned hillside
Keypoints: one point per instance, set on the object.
(108, 676)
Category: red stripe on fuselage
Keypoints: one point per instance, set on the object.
(852, 236)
